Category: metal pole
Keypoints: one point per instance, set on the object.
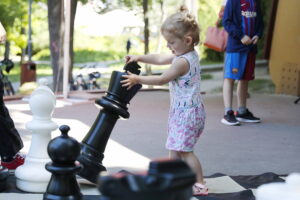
(29, 31)
(66, 48)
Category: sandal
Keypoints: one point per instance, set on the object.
(200, 190)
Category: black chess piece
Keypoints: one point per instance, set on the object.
(63, 151)
(165, 180)
(133, 67)
(4, 173)
(114, 106)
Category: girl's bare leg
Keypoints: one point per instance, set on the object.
(191, 159)
(174, 155)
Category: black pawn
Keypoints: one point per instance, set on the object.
(63, 151)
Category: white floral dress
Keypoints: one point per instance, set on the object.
(187, 114)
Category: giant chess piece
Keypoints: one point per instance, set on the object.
(4, 173)
(288, 190)
(63, 150)
(165, 180)
(114, 106)
(32, 176)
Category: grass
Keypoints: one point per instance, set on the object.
(15, 73)
(260, 86)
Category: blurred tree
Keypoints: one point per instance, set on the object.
(56, 23)
(13, 16)
(106, 6)
(56, 31)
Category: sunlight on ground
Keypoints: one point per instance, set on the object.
(116, 155)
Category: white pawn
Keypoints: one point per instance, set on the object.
(290, 190)
(32, 175)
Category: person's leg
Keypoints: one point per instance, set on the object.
(242, 91)
(229, 118)
(233, 70)
(174, 155)
(10, 142)
(243, 114)
(191, 159)
(199, 188)
(228, 93)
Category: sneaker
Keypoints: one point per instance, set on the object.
(229, 119)
(15, 163)
(3, 170)
(247, 117)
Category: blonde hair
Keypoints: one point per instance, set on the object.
(181, 24)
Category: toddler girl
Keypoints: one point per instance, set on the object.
(187, 114)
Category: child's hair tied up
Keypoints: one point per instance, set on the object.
(183, 8)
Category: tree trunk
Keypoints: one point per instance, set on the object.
(146, 33)
(73, 14)
(162, 18)
(56, 30)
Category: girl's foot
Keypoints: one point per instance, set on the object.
(200, 190)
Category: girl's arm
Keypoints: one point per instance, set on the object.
(178, 68)
(155, 59)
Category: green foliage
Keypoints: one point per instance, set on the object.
(13, 16)
(206, 77)
(40, 33)
(262, 86)
(96, 56)
(266, 6)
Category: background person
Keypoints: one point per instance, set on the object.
(243, 22)
(10, 140)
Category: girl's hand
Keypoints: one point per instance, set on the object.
(246, 40)
(255, 39)
(131, 80)
(131, 58)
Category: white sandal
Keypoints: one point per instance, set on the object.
(200, 190)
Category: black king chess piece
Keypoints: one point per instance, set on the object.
(63, 151)
(114, 106)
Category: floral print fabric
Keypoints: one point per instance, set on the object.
(187, 114)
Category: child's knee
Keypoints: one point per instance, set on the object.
(185, 154)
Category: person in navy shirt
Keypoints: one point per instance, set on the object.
(242, 20)
(10, 140)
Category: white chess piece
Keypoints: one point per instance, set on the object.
(290, 190)
(32, 175)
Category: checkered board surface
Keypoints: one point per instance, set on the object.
(221, 187)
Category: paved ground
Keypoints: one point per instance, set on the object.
(250, 149)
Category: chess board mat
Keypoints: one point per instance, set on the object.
(221, 187)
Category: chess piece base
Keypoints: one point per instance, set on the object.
(91, 165)
(57, 197)
(3, 176)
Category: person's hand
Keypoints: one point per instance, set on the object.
(246, 40)
(255, 39)
(131, 58)
(130, 80)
